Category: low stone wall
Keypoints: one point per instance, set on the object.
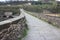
(13, 30)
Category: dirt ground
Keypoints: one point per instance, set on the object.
(56, 15)
(51, 18)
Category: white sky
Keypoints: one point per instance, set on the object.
(2, 0)
(58, 0)
(34, 0)
(7, 0)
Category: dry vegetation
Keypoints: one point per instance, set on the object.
(56, 15)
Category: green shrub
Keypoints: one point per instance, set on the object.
(9, 9)
(33, 8)
(54, 7)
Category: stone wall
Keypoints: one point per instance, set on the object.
(13, 31)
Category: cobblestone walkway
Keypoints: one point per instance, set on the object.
(40, 30)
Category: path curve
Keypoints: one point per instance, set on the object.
(40, 30)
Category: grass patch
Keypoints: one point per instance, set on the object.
(24, 32)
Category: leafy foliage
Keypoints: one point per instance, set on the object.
(53, 7)
(9, 9)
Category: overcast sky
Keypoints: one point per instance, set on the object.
(58, 0)
(34, 0)
(7, 0)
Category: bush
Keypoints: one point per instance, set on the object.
(33, 8)
(10, 9)
(54, 7)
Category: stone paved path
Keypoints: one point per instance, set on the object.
(40, 30)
